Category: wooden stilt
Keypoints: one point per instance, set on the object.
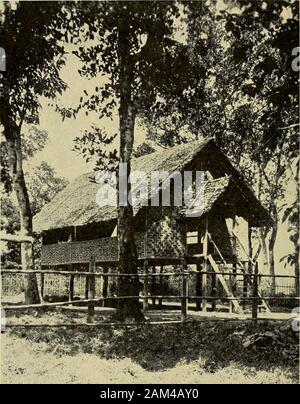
(204, 277)
(91, 291)
(71, 288)
(255, 294)
(198, 286)
(161, 282)
(146, 291)
(153, 286)
(42, 286)
(234, 271)
(233, 282)
(245, 290)
(213, 290)
(105, 287)
(234, 252)
(184, 304)
(86, 287)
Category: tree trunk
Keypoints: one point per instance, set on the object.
(12, 135)
(264, 249)
(128, 286)
(262, 230)
(272, 242)
(297, 270)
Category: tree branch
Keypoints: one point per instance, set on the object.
(295, 125)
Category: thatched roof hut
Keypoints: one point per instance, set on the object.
(76, 204)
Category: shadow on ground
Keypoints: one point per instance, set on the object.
(161, 347)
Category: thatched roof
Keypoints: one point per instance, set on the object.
(212, 191)
(76, 204)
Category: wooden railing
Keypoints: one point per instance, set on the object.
(185, 297)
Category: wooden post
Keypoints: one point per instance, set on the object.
(234, 272)
(153, 286)
(198, 286)
(234, 267)
(185, 292)
(233, 281)
(204, 277)
(255, 294)
(91, 291)
(146, 301)
(161, 282)
(213, 290)
(42, 286)
(86, 287)
(71, 288)
(245, 290)
(105, 287)
(250, 246)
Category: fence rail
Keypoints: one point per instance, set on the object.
(140, 275)
(252, 279)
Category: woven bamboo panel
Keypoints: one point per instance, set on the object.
(80, 252)
(165, 236)
(56, 284)
(104, 249)
(12, 284)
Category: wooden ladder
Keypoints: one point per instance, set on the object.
(242, 267)
(263, 302)
(253, 263)
(223, 282)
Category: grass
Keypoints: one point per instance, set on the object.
(197, 352)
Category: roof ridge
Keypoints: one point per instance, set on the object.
(200, 142)
(220, 178)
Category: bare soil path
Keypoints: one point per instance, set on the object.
(26, 362)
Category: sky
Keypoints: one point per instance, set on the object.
(58, 150)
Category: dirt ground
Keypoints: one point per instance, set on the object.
(57, 346)
(25, 362)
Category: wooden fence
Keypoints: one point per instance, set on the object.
(252, 280)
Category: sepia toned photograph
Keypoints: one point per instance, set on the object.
(149, 195)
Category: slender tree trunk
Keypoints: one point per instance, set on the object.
(297, 270)
(128, 286)
(262, 231)
(14, 149)
(272, 242)
(296, 239)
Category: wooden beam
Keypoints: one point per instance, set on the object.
(16, 237)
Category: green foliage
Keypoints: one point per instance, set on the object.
(247, 96)
(43, 184)
(30, 35)
(291, 214)
(159, 65)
